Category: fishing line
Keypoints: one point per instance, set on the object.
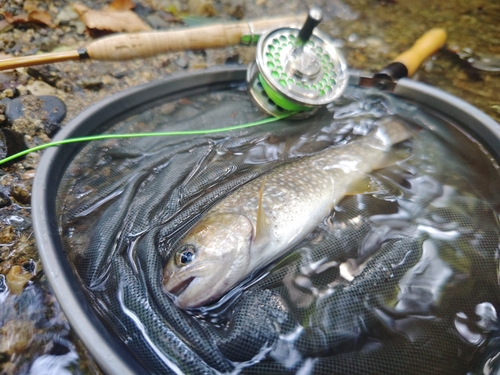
(141, 135)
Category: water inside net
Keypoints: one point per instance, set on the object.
(400, 278)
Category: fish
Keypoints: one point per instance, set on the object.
(261, 220)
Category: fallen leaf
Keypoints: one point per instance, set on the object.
(18, 18)
(41, 16)
(116, 21)
(121, 5)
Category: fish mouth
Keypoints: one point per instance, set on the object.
(181, 287)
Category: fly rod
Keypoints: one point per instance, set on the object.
(141, 45)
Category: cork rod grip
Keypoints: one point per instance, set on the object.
(425, 46)
(141, 45)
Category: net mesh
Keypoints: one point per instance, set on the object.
(400, 279)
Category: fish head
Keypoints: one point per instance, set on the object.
(210, 260)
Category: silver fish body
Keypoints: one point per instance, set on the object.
(262, 219)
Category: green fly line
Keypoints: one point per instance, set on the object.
(140, 135)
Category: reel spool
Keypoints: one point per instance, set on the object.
(296, 70)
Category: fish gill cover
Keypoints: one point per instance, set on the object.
(401, 278)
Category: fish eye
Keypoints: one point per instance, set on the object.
(185, 254)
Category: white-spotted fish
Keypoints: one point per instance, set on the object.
(261, 220)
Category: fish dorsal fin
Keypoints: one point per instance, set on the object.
(262, 222)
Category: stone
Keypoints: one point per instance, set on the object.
(11, 142)
(19, 222)
(157, 22)
(181, 62)
(7, 235)
(31, 161)
(66, 14)
(56, 111)
(94, 84)
(13, 109)
(26, 113)
(20, 193)
(16, 336)
(38, 88)
(8, 93)
(4, 199)
(28, 175)
(46, 73)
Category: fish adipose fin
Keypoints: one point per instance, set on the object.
(262, 222)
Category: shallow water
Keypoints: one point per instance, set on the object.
(400, 279)
(34, 320)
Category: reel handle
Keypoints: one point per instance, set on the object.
(314, 17)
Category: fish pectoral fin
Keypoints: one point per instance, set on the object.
(390, 158)
(364, 185)
(262, 227)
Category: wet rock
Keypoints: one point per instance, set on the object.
(15, 336)
(31, 161)
(6, 80)
(181, 62)
(2, 111)
(120, 74)
(91, 84)
(28, 175)
(11, 142)
(3, 285)
(5, 266)
(40, 88)
(157, 22)
(56, 111)
(21, 194)
(13, 109)
(7, 235)
(26, 125)
(232, 60)
(4, 200)
(28, 113)
(8, 93)
(19, 222)
(30, 266)
(142, 11)
(47, 73)
(17, 278)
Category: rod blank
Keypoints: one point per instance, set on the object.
(141, 45)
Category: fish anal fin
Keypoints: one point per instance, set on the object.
(262, 222)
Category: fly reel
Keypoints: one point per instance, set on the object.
(296, 70)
